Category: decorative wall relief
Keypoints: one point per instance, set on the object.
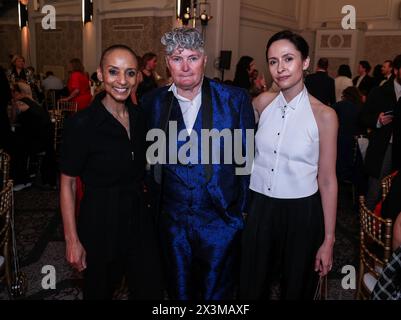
(57, 47)
(142, 34)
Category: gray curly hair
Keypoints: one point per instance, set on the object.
(183, 38)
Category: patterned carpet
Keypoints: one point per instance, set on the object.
(40, 243)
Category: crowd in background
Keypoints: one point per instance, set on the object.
(367, 107)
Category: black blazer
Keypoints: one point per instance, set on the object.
(381, 99)
(366, 84)
(322, 87)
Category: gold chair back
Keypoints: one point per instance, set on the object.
(4, 168)
(386, 185)
(375, 248)
(57, 118)
(50, 99)
(67, 106)
(6, 203)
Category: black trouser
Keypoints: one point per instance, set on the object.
(281, 239)
(24, 148)
(20, 150)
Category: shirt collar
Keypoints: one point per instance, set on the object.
(295, 101)
(397, 88)
(100, 114)
(174, 90)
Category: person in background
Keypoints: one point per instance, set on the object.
(149, 81)
(51, 82)
(96, 85)
(387, 71)
(5, 99)
(382, 115)
(377, 75)
(320, 84)
(364, 82)
(33, 134)
(290, 227)
(20, 73)
(78, 85)
(105, 145)
(243, 72)
(348, 111)
(343, 80)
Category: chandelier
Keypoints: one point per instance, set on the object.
(191, 11)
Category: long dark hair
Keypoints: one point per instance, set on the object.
(241, 78)
(353, 95)
(344, 70)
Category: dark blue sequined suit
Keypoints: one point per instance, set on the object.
(201, 205)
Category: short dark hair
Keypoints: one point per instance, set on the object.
(352, 94)
(110, 49)
(147, 57)
(344, 70)
(390, 63)
(323, 63)
(397, 62)
(366, 65)
(298, 41)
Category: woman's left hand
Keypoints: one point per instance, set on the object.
(324, 258)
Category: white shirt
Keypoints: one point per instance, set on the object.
(287, 149)
(52, 82)
(341, 83)
(397, 88)
(359, 81)
(189, 108)
(385, 80)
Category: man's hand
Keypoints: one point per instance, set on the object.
(385, 119)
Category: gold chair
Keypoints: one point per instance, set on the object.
(4, 168)
(375, 248)
(5, 234)
(67, 106)
(50, 99)
(57, 118)
(386, 185)
(64, 110)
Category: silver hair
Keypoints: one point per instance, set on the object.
(183, 38)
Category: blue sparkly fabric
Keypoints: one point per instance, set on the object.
(201, 217)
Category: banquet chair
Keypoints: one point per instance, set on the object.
(64, 110)
(4, 168)
(57, 118)
(386, 185)
(375, 248)
(67, 106)
(5, 234)
(50, 99)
